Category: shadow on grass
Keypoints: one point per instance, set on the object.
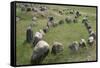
(29, 43)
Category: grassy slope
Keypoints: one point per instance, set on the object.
(65, 33)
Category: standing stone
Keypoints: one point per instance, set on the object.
(57, 48)
(37, 37)
(40, 52)
(46, 29)
(68, 20)
(29, 34)
(85, 19)
(50, 21)
(61, 22)
(82, 43)
(92, 33)
(91, 40)
(74, 47)
(77, 14)
(34, 18)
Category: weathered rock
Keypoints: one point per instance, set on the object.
(40, 52)
(85, 19)
(61, 22)
(57, 48)
(37, 37)
(68, 20)
(91, 40)
(92, 33)
(46, 29)
(34, 18)
(29, 34)
(82, 43)
(50, 22)
(54, 24)
(43, 8)
(88, 26)
(74, 46)
(78, 13)
(50, 18)
(89, 30)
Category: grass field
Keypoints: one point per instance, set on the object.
(65, 33)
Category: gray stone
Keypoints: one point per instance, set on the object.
(61, 22)
(37, 37)
(74, 46)
(57, 48)
(85, 19)
(68, 20)
(29, 34)
(46, 29)
(40, 52)
(91, 40)
(82, 43)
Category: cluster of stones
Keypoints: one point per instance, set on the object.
(92, 34)
(41, 47)
(75, 46)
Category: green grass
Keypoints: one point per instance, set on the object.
(65, 33)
